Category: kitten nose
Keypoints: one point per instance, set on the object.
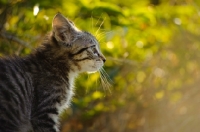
(102, 57)
(104, 60)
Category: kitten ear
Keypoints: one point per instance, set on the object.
(64, 30)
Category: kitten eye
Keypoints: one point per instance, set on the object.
(95, 51)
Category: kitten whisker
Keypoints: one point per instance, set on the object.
(98, 20)
(105, 80)
(99, 27)
(92, 26)
(102, 34)
(104, 84)
(107, 76)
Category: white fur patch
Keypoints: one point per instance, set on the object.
(55, 119)
(66, 102)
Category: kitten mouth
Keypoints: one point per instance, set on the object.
(94, 71)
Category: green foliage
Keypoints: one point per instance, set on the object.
(152, 57)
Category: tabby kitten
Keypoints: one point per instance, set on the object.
(35, 89)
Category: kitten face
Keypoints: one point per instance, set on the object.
(81, 47)
(87, 53)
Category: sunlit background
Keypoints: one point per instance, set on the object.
(153, 59)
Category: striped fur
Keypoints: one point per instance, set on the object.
(35, 89)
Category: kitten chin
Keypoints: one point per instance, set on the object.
(91, 72)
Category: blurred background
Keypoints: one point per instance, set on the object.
(153, 59)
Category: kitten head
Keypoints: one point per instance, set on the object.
(81, 48)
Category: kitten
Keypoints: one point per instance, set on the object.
(35, 89)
